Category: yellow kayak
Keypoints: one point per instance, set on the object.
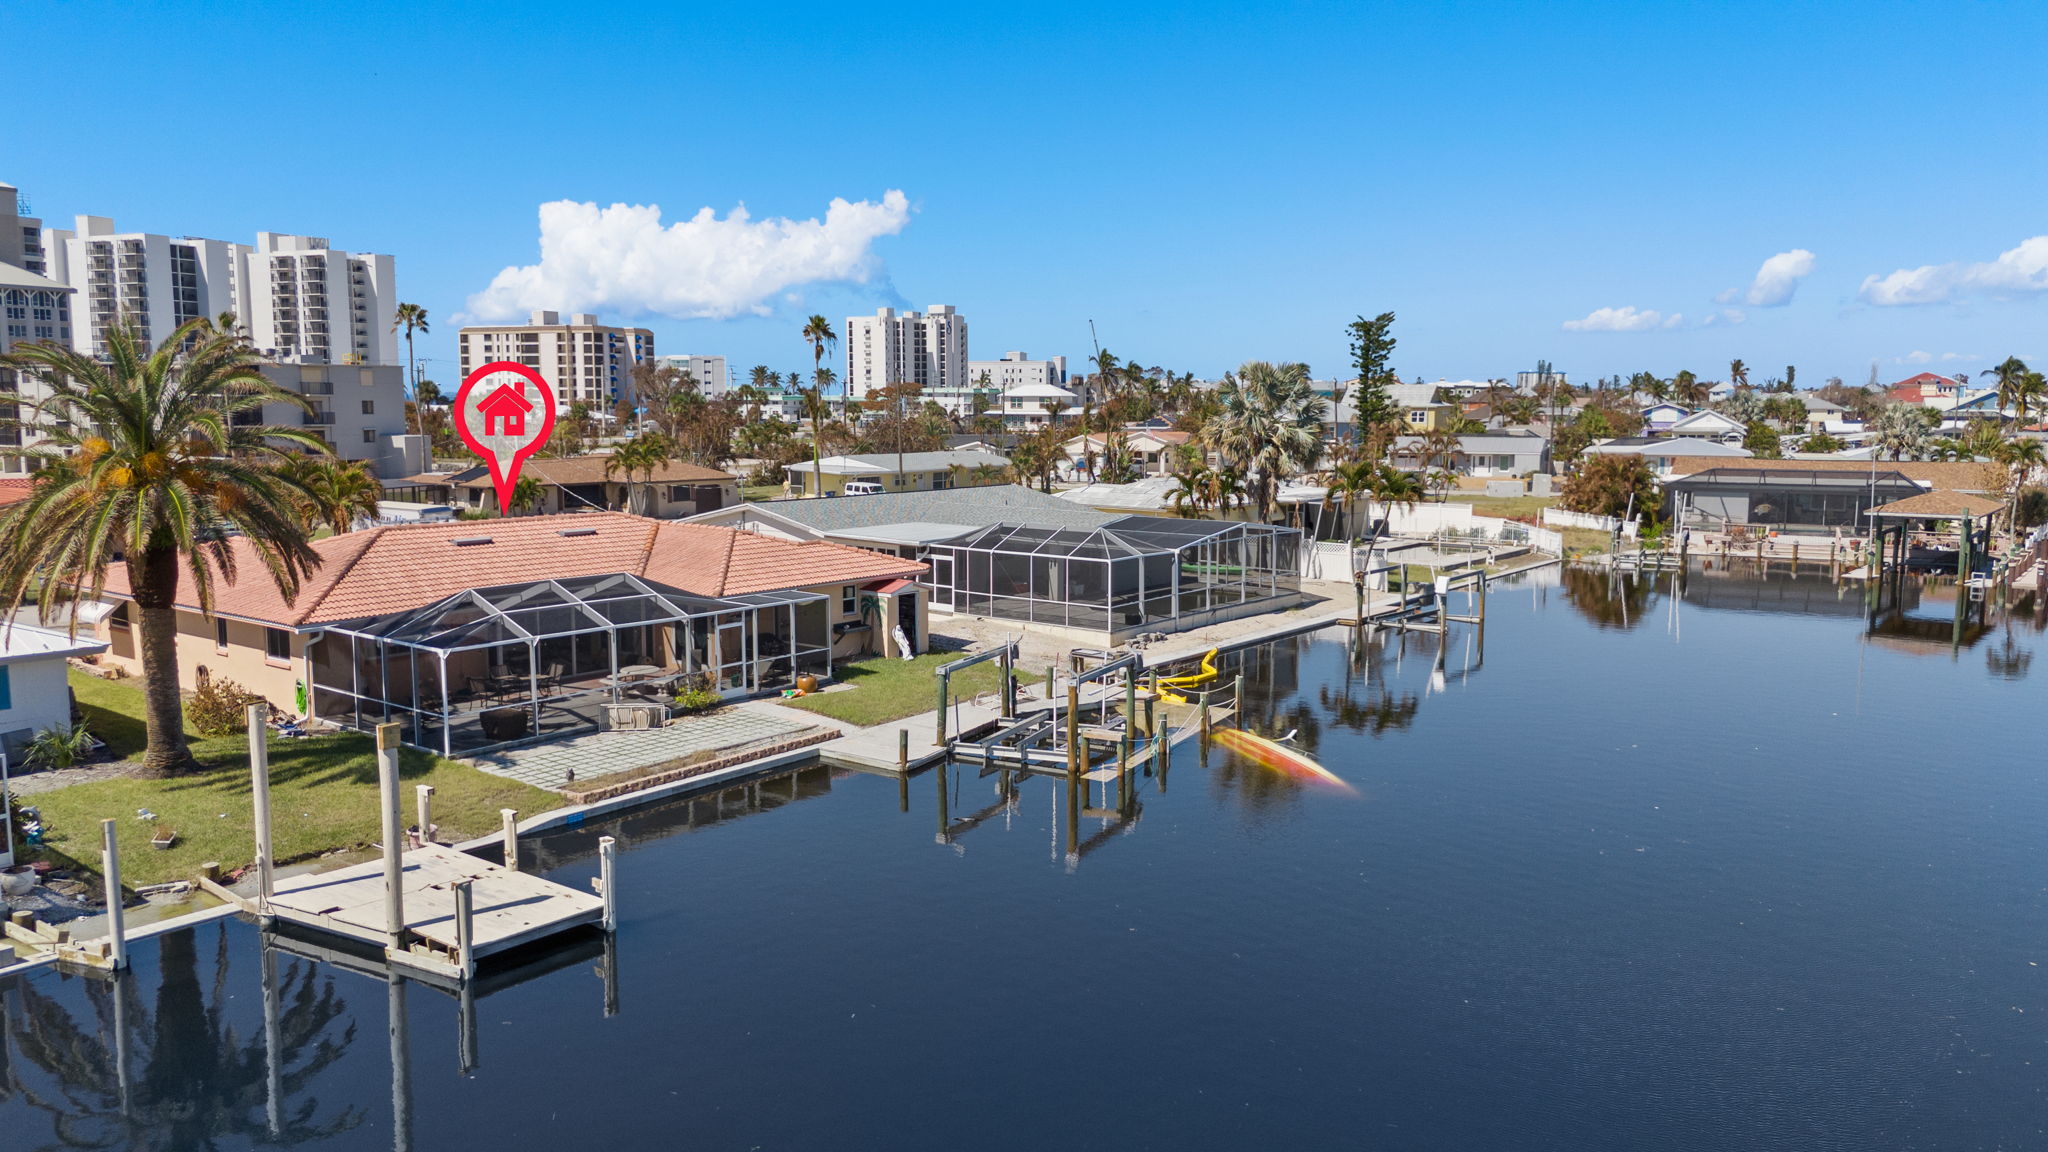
(1276, 755)
(1169, 685)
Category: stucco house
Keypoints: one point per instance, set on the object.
(35, 693)
(579, 484)
(905, 472)
(443, 622)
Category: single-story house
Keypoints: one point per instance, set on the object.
(35, 693)
(1809, 495)
(479, 634)
(1153, 451)
(1488, 454)
(579, 484)
(905, 472)
(904, 523)
(1661, 452)
(1133, 574)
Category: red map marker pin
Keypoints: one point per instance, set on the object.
(504, 412)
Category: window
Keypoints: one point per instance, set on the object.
(369, 407)
(369, 435)
(278, 643)
(119, 616)
(849, 600)
(220, 634)
(6, 688)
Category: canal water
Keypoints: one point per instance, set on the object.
(1700, 865)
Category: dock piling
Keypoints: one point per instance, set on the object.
(903, 749)
(259, 794)
(1074, 755)
(465, 928)
(424, 796)
(110, 867)
(510, 818)
(607, 875)
(394, 848)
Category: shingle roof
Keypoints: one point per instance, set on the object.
(910, 462)
(398, 567)
(1940, 504)
(980, 505)
(587, 470)
(1945, 475)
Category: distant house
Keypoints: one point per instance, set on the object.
(1488, 454)
(1661, 451)
(1810, 495)
(1029, 406)
(35, 693)
(1928, 388)
(1708, 425)
(1659, 417)
(579, 484)
(1418, 408)
(904, 523)
(1821, 414)
(1152, 450)
(908, 472)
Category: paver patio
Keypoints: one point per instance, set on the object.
(599, 754)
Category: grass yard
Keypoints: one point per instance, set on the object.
(1504, 506)
(882, 690)
(760, 491)
(323, 796)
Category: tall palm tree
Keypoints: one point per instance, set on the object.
(412, 318)
(142, 457)
(1738, 374)
(1271, 426)
(816, 409)
(1393, 487)
(1900, 432)
(2013, 391)
(336, 493)
(1107, 372)
(1350, 479)
(644, 454)
(526, 496)
(818, 334)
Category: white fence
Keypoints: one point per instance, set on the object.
(1563, 519)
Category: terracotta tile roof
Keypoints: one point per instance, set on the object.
(14, 491)
(399, 567)
(1950, 504)
(590, 470)
(1946, 475)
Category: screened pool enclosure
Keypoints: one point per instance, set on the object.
(496, 666)
(1139, 573)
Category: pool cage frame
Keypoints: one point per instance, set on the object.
(510, 664)
(1135, 574)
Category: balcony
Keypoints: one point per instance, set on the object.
(316, 419)
(317, 388)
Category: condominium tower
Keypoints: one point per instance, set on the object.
(923, 348)
(582, 360)
(710, 372)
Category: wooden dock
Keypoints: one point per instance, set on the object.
(509, 908)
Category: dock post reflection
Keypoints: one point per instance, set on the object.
(401, 1067)
(608, 969)
(273, 1050)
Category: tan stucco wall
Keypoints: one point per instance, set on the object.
(246, 660)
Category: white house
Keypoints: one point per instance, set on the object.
(34, 692)
(1036, 405)
(1659, 417)
(1706, 425)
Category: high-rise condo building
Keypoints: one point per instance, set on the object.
(712, 377)
(582, 360)
(308, 302)
(925, 348)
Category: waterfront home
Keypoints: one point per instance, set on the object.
(895, 472)
(579, 484)
(1151, 450)
(1660, 452)
(1928, 388)
(35, 694)
(437, 624)
(1418, 408)
(1659, 417)
(1809, 496)
(904, 523)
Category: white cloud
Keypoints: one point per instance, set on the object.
(1916, 356)
(1775, 281)
(623, 260)
(2017, 271)
(1627, 318)
(1947, 356)
(1724, 316)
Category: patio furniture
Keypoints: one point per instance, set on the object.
(634, 716)
(506, 723)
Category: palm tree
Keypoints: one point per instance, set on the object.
(412, 318)
(1107, 372)
(818, 334)
(336, 493)
(1738, 374)
(816, 409)
(1438, 453)
(2013, 391)
(1392, 486)
(1271, 426)
(527, 495)
(1900, 431)
(142, 457)
(644, 454)
(1350, 479)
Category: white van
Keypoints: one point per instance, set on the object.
(863, 488)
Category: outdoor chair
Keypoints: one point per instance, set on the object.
(480, 689)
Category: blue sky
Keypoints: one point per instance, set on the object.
(1208, 183)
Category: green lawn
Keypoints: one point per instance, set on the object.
(1504, 506)
(760, 491)
(323, 796)
(882, 690)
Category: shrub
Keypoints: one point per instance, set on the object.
(220, 707)
(55, 748)
(2032, 507)
(1603, 485)
(696, 694)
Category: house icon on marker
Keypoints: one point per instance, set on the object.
(507, 408)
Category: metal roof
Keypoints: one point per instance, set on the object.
(973, 506)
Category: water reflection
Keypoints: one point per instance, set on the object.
(172, 1071)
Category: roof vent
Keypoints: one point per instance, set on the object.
(468, 541)
(576, 532)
